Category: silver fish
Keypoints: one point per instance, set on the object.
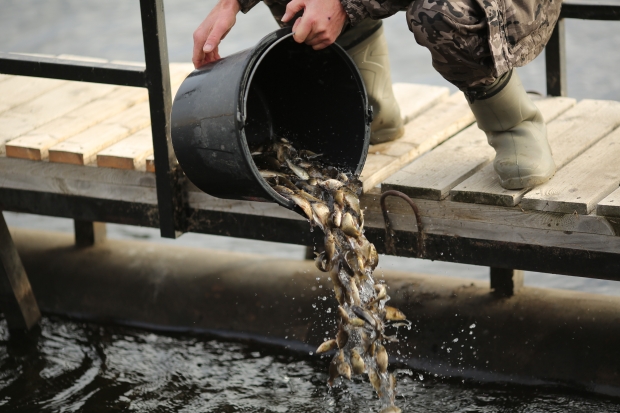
(326, 346)
(349, 226)
(300, 172)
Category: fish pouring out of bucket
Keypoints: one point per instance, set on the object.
(238, 134)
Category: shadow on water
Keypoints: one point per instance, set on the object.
(69, 366)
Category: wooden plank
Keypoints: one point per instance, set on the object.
(461, 157)
(421, 135)
(150, 163)
(35, 144)
(5, 77)
(130, 153)
(610, 205)
(569, 135)
(17, 90)
(82, 148)
(51, 105)
(414, 99)
(17, 301)
(582, 183)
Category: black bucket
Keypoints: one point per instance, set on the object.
(315, 99)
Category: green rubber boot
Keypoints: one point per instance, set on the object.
(516, 129)
(366, 45)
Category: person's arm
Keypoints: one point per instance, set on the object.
(212, 30)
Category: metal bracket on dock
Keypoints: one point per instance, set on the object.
(390, 247)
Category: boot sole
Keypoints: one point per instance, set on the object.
(529, 181)
(386, 135)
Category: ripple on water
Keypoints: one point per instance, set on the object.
(80, 367)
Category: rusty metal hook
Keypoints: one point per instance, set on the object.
(390, 248)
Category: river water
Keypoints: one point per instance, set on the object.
(81, 367)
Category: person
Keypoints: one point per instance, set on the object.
(474, 44)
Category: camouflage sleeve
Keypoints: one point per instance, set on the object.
(357, 10)
(246, 5)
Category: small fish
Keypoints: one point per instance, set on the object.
(284, 191)
(342, 178)
(394, 314)
(342, 337)
(381, 292)
(344, 316)
(357, 362)
(302, 203)
(257, 153)
(330, 246)
(309, 197)
(320, 262)
(321, 211)
(349, 226)
(300, 172)
(284, 140)
(352, 201)
(287, 183)
(391, 409)
(326, 346)
(337, 216)
(381, 358)
(270, 174)
(344, 368)
(375, 380)
(312, 181)
(373, 258)
(333, 372)
(364, 315)
(339, 197)
(355, 292)
(331, 184)
(304, 153)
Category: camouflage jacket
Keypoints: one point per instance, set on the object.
(518, 29)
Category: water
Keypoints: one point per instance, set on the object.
(82, 367)
(79, 367)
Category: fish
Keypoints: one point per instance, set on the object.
(330, 184)
(354, 291)
(309, 197)
(391, 409)
(357, 362)
(284, 191)
(326, 346)
(342, 178)
(337, 216)
(309, 155)
(342, 337)
(349, 226)
(339, 197)
(300, 172)
(344, 368)
(321, 211)
(265, 173)
(352, 201)
(375, 380)
(320, 262)
(381, 358)
(364, 315)
(394, 314)
(330, 246)
(304, 204)
(381, 292)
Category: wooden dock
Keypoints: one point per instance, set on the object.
(84, 151)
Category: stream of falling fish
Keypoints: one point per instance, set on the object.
(329, 199)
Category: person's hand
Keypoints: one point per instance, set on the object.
(212, 30)
(321, 23)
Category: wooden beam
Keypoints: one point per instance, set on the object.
(506, 282)
(581, 184)
(610, 205)
(89, 233)
(17, 301)
(129, 153)
(569, 136)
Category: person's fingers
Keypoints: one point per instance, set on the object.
(292, 8)
(303, 29)
(321, 45)
(215, 36)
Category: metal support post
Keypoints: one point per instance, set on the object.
(89, 233)
(506, 282)
(17, 301)
(555, 60)
(169, 199)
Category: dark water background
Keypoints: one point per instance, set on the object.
(79, 367)
(72, 366)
